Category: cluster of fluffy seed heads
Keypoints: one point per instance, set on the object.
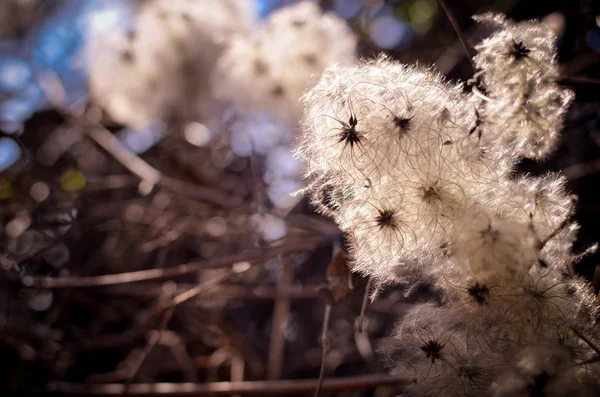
(389, 155)
(419, 175)
(214, 62)
(270, 69)
(519, 72)
(187, 59)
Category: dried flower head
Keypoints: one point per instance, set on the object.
(271, 68)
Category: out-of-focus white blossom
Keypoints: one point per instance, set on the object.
(519, 71)
(271, 68)
(162, 67)
(545, 370)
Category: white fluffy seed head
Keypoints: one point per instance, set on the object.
(519, 72)
(526, 47)
(492, 246)
(400, 139)
(419, 177)
(364, 121)
(538, 369)
(270, 69)
(162, 67)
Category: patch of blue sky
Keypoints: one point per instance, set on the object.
(54, 47)
(10, 152)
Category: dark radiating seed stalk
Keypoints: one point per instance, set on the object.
(386, 219)
(519, 51)
(349, 134)
(403, 124)
(479, 293)
(432, 349)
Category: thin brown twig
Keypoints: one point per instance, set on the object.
(567, 80)
(581, 170)
(459, 33)
(324, 347)
(170, 308)
(363, 307)
(191, 293)
(237, 366)
(149, 175)
(591, 360)
(253, 256)
(561, 225)
(152, 342)
(307, 291)
(123, 155)
(584, 338)
(365, 349)
(184, 362)
(279, 387)
(204, 287)
(280, 319)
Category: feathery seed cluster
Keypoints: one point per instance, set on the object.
(162, 67)
(419, 176)
(215, 63)
(271, 69)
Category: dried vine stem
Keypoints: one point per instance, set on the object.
(325, 347)
(279, 387)
(168, 314)
(459, 33)
(280, 319)
(363, 307)
(253, 256)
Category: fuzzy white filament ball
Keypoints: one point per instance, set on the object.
(271, 68)
(419, 175)
(162, 67)
(399, 139)
(519, 71)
